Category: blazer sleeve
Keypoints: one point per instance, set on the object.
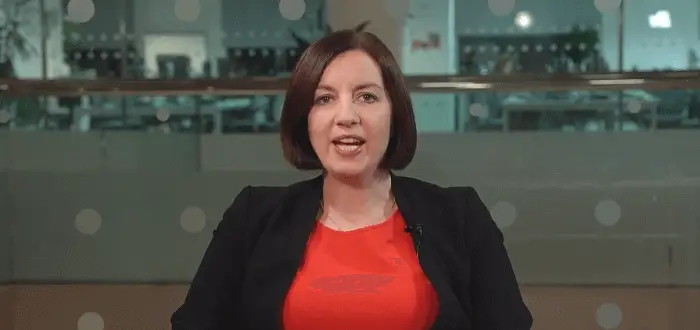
(495, 295)
(214, 291)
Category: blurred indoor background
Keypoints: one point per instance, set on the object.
(127, 127)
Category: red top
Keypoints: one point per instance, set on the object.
(364, 279)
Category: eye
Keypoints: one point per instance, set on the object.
(323, 99)
(368, 98)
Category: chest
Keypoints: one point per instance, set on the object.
(334, 271)
(366, 279)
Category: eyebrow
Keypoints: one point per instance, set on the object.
(357, 88)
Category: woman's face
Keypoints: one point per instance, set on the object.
(350, 122)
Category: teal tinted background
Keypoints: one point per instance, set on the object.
(108, 200)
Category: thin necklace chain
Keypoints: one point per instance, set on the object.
(328, 215)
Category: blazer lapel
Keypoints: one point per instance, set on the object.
(281, 251)
(416, 209)
(302, 218)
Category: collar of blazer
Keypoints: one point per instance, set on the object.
(411, 203)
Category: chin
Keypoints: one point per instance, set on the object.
(348, 169)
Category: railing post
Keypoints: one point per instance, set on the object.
(620, 63)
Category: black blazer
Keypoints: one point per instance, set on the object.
(258, 247)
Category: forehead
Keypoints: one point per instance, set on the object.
(352, 68)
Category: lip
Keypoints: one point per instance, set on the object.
(349, 136)
(348, 150)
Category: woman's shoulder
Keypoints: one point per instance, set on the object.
(458, 194)
(462, 203)
(260, 200)
(260, 196)
(276, 194)
(254, 206)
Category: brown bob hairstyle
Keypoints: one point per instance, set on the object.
(294, 131)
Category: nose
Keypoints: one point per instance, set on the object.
(347, 115)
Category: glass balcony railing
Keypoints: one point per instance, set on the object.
(584, 103)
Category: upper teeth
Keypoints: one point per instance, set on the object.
(349, 140)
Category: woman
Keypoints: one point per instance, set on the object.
(357, 247)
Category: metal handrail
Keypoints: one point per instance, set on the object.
(423, 83)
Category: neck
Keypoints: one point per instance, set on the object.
(357, 196)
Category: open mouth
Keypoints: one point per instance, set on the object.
(348, 144)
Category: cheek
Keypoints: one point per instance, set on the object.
(381, 130)
(317, 129)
